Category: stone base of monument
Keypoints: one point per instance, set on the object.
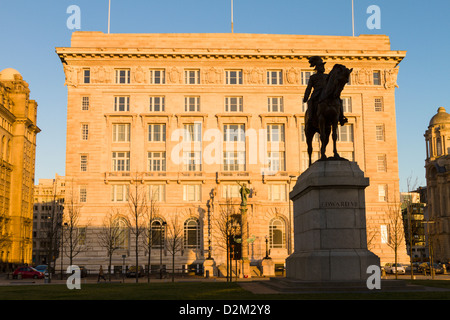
(209, 268)
(330, 228)
(267, 267)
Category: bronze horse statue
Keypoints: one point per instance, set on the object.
(326, 118)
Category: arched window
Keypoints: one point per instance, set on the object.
(277, 234)
(122, 235)
(191, 234)
(158, 230)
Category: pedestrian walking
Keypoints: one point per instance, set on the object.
(101, 275)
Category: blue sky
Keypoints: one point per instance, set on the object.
(30, 31)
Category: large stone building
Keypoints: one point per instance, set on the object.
(17, 164)
(437, 166)
(188, 116)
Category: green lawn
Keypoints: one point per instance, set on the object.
(195, 291)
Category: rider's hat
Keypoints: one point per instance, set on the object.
(315, 61)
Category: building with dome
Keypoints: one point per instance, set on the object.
(18, 132)
(437, 168)
(157, 112)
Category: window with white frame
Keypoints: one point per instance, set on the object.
(277, 192)
(156, 161)
(192, 104)
(234, 133)
(122, 76)
(83, 194)
(192, 192)
(382, 192)
(87, 75)
(233, 76)
(121, 161)
(157, 104)
(274, 77)
(192, 161)
(234, 161)
(158, 233)
(119, 192)
(377, 78)
(157, 132)
(192, 76)
(192, 132)
(192, 233)
(379, 132)
(157, 76)
(85, 103)
(305, 75)
(379, 105)
(84, 131)
(276, 161)
(316, 137)
(384, 232)
(231, 191)
(123, 233)
(83, 162)
(233, 104)
(381, 163)
(121, 103)
(157, 192)
(121, 132)
(347, 104)
(275, 104)
(345, 133)
(275, 132)
(277, 234)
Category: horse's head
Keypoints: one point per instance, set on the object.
(337, 79)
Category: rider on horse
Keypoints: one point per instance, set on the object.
(318, 81)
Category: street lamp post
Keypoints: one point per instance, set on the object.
(430, 247)
(163, 224)
(62, 248)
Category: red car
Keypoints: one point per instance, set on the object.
(27, 272)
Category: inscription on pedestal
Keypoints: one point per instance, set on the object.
(338, 204)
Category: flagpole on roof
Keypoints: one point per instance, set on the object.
(109, 16)
(353, 18)
(232, 27)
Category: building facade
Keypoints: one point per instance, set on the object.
(189, 118)
(18, 132)
(437, 166)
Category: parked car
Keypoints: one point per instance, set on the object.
(27, 272)
(131, 273)
(42, 268)
(426, 267)
(393, 268)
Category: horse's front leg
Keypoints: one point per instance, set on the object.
(334, 135)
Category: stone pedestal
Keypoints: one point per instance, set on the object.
(268, 267)
(209, 268)
(330, 225)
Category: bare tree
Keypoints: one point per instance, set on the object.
(151, 212)
(396, 229)
(110, 235)
(174, 240)
(137, 211)
(407, 203)
(5, 237)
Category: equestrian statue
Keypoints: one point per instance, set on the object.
(325, 110)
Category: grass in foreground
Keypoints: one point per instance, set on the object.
(197, 291)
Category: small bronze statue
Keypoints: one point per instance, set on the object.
(244, 192)
(325, 109)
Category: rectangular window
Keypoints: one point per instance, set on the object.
(121, 132)
(83, 194)
(121, 161)
(84, 103)
(192, 161)
(157, 104)
(384, 232)
(83, 162)
(119, 193)
(277, 192)
(381, 163)
(347, 104)
(382, 192)
(231, 191)
(305, 158)
(234, 161)
(345, 133)
(275, 104)
(379, 105)
(192, 132)
(275, 133)
(122, 103)
(192, 192)
(192, 104)
(233, 76)
(305, 75)
(379, 132)
(234, 133)
(274, 77)
(233, 104)
(157, 76)
(157, 192)
(377, 78)
(122, 76)
(84, 131)
(157, 132)
(276, 161)
(192, 76)
(156, 161)
(86, 75)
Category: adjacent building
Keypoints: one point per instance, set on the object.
(189, 118)
(18, 132)
(437, 166)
